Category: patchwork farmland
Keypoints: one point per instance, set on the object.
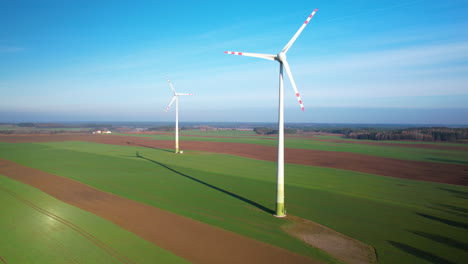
(127, 198)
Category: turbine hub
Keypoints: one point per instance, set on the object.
(281, 56)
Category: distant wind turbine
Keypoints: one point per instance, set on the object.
(176, 99)
(281, 58)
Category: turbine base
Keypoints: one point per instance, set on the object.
(280, 210)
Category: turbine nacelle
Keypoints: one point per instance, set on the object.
(281, 57)
(176, 95)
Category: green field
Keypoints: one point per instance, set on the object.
(406, 221)
(37, 228)
(404, 153)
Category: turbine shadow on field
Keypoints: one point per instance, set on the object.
(455, 208)
(420, 253)
(460, 194)
(445, 221)
(442, 239)
(449, 160)
(141, 145)
(447, 211)
(259, 206)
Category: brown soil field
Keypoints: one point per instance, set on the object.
(210, 136)
(416, 170)
(192, 240)
(312, 136)
(440, 146)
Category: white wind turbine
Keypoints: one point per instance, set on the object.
(176, 99)
(281, 58)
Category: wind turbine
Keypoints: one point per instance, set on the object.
(281, 58)
(176, 99)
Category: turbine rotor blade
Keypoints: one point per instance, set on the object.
(293, 83)
(185, 94)
(291, 42)
(172, 101)
(170, 84)
(256, 55)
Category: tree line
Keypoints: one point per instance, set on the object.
(271, 131)
(428, 134)
(443, 134)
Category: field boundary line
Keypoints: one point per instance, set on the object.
(72, 226)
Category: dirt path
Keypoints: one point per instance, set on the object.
(416, 170)
(192, 240)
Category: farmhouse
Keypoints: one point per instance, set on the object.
(102, 132)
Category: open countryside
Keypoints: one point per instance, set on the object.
(408, 210)
(256, 132)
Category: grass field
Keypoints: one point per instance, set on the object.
(406, 221)
(37, 228)
(404, 153)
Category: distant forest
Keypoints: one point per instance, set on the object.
(443, 134)
(271, 131)
(355, 131)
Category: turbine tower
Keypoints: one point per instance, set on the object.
(281, 58)
(176, 99)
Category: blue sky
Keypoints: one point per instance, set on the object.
(355, 62)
